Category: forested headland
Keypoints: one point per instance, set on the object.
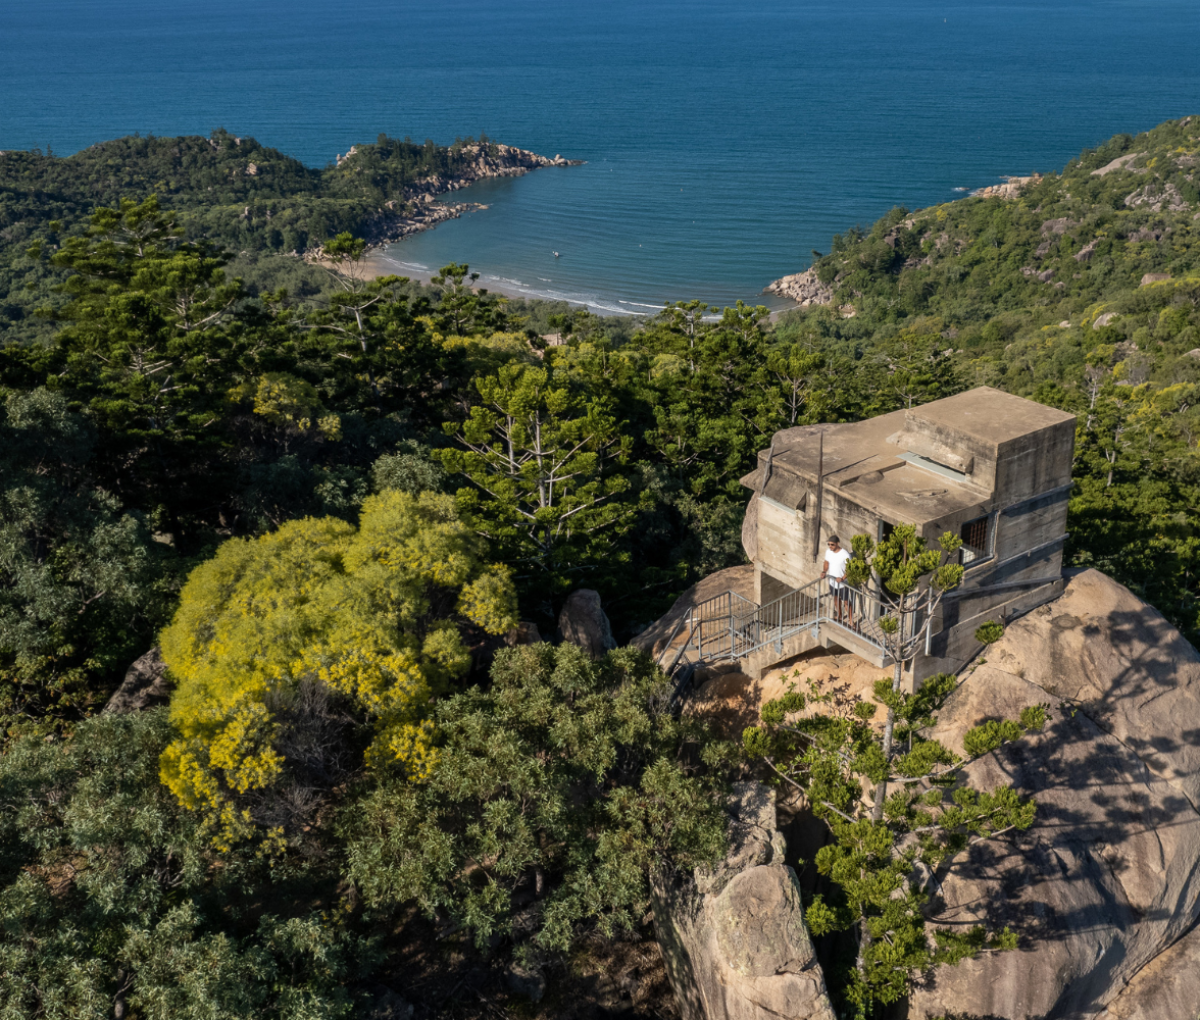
(328, 497)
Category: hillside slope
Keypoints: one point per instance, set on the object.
(234, 192)
(1079, 289)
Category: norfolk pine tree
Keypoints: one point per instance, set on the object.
(542, 462)
(888, 845)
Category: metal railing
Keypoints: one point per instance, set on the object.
(729, 626)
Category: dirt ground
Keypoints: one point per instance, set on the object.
(732, 701)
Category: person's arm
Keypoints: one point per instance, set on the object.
(825, 567)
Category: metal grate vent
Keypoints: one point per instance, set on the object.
(974, 538)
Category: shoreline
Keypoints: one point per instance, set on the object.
(416, 209)
(376, 263)
(808, 291)
(419, 210)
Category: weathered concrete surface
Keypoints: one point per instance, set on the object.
(1108, 878)
(983, 464)
(145, 685)
(734, 939)
(750, 530)
(583, 622)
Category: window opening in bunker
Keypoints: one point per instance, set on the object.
(974, 540)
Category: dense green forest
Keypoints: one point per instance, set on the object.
(232, 191)
(1082, 293)
(328, 498)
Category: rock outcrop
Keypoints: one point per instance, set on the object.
(803, 288)
(524, 633)
(1107, 881)
(1120, 163)
(1167, 987)
(1157, 197)
(583, 622)
(416, 210)
(1009, 190)
(145, 685)
(653, 640)
(733, 938)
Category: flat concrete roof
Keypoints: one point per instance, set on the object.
(863, 466)
(989, 415)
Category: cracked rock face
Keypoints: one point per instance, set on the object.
(1106, 884)
(803, 288)
(146, 685)
(583, 622)
(734, 939)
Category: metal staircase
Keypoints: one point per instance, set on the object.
(729, 627)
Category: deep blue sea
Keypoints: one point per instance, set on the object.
(725, 139)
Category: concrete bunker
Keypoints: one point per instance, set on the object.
(993, 468)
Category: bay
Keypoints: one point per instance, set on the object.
(724, 140)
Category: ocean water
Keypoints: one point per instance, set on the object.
(725, 139)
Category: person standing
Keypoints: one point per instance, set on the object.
(834, 567)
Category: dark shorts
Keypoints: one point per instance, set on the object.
(842, 594)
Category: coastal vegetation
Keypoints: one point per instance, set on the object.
(234, 193)
(1080, 290)
(327, 497)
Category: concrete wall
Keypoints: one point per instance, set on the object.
(768, 588)
(1027, 508)
(926, 438)
(1035, 463)
(785, 537)
(955, 646)
(784, 545)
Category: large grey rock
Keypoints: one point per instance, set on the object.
(1109, 875)
(805, 289)
(583, 622)
(1116, 658)
(653, 640)
(1167, 987)
(733, 938)
(145, 685)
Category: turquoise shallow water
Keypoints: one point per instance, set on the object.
(724, 140)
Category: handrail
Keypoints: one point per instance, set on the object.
(674, 634)
(730, 626)
(679, 654)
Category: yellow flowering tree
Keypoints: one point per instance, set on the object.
(363, 615)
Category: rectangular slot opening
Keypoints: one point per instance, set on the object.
(974, 535)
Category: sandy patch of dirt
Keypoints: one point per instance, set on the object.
(732, 701)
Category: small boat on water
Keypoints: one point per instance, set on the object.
(555, 254)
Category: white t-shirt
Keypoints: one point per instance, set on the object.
(836, 563)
